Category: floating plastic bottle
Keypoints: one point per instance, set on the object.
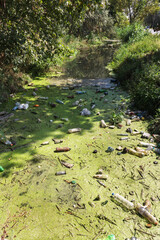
(110, 237)
(60, 173)
(128, 122)
(63, 149)
(101, 176)
(43, 98)
(156, 150)
(138, 149)
(74, 130)
(144, 144)
(64, 119)
(103, 124)
(110, 149)
(143, 212)
(80, 92)
(1, 169)
(59, 101)
(123, 201)
(135, 153)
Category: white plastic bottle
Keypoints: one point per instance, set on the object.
(143, 212)
(129, 205)
(74, 130)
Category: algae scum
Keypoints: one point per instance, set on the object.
(38, 204)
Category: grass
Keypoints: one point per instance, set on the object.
(136, 65)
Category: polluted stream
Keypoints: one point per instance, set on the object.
(58, 185)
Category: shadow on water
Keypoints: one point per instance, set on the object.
(24, 128)
(90, 63)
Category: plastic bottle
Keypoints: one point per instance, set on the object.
(143, 212)
(103, 124)
(138, 149)
(80, 92)
(74, 130)
(110, 149)
(64, 149)
(144, 144)
(60, 173)
(59, 101)
(124, 138)
(135, 153)
(1, 169)
(101, 176)
(156, 150)
(128, 122)
(43, 98)
(123, 201)
(64, 119)
(110, 237)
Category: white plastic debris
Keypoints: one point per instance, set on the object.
(103, 124)
(76, 103)
(23, 106)
(85, 112)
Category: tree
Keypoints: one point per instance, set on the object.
(135, 9)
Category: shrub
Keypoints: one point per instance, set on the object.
(132, 33)
(136, 65)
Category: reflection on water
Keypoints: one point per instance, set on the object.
(90, 63)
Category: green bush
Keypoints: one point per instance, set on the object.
(136, 65)
(132, 33)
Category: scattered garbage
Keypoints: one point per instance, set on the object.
(144, 144)
(119, 148)
(124, 138)
(56, 141)
(85, 112)
(128, 122)
(65, 119)
(63, 149)
(59, 101)
(76, 103)
(80, 92)
(110, 149)
(34, 94)
(53, 105)
(101, 176)
(146, 135)
(43, 98)
(136, 153)
(111, 126)
(143, 212)
(7, 142)
(71, 96)
(21, 106)
(44, 143)
(129, 205)
(74, 130)
(109, 237)
(95, 151)
(68, 165)
(60, 173)
(132, 238)
(103, 124)
(101, 183)
(1, 169)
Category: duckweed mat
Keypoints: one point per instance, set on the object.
(36, 203)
